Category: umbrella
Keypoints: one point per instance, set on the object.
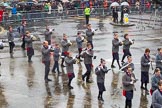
(124, 4)
(65, 1)
(114, 4)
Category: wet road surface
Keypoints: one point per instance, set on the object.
(22, 84)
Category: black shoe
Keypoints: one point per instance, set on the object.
(99, 98)
(80, 60)
(49, 80)
(146, 89)
(70, 87)
(46, 81)
(142, 87)
(112, 66)
(102, 100)
(30, 61)
(63, 66)
(53, 71)
(89, 81)
(82, 77)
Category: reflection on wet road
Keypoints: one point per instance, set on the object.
(22, 84)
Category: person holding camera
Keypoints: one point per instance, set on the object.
(48, 34)
(65, 43)
(100, 71)
(10, 35)
(126, 46)
(69, 60)
(87, 54)
(128, 81)
(115, 50)
(46, 53)
(29, 45)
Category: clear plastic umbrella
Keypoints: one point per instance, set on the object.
(114, 4)
(124, 4)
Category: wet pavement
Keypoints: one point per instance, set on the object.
(22, 84)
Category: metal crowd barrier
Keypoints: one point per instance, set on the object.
(40, 15)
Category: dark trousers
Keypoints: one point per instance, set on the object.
(128, 103)
(91, 43)
(12, 45)
(47, 69)
(87, 19)
(56, 66)
(63, 59)
(29, 58)
(23, 43)
(115, 20)
(115, 57)
(79, 50)
(88, 72)
(126, 53)
(49, 42)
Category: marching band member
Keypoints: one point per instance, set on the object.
(29, 45)
(69, 60)
(65, 43)
(128, 81)
(126, 46)
(100, 71)
(46, 53)
(56, 56)
(90, 34)
(87, 54)
(48, 34)
(10, 35)
(79, 40)
(145, 66)
(115, 50)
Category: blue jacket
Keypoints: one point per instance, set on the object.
(56, 54)
(79, 42)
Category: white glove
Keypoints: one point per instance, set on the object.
(131, 82)
(68, 41)
(73, 57)
(149, 63)
(82, 38)
(99, 68)
(59, 53)
(93, 30)
(50, 30)
(131, 41)
(31, 36)
(49, 46)
(160, 60)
